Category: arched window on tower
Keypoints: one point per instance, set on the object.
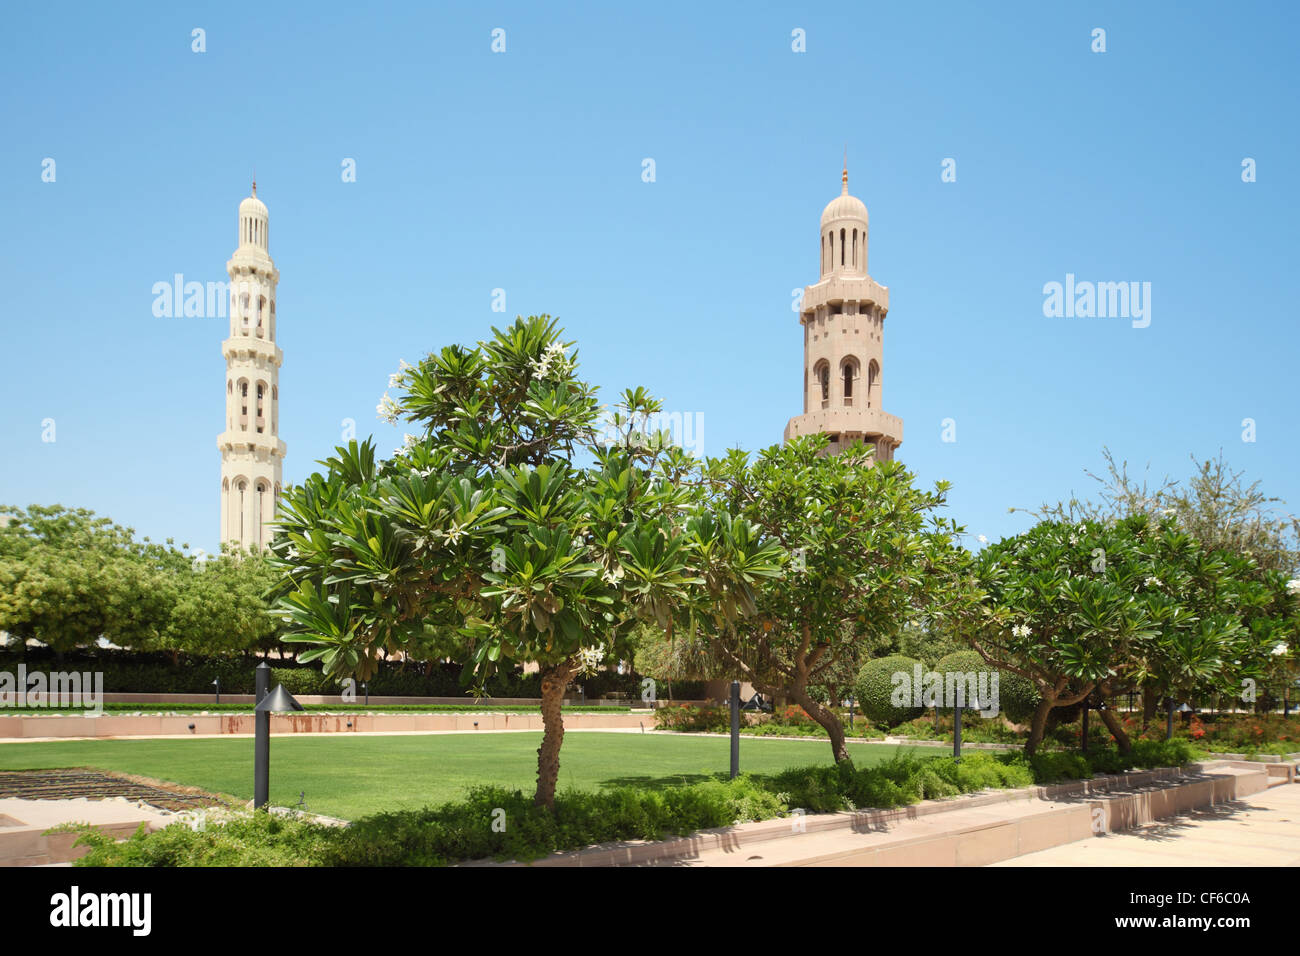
(243, 406)
(823, 375)
(855, 248)
(848, 372)
(261, 309)
(873, 382)
(261, 392)
(841, 247)
(275, 408)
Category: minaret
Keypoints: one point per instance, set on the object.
(252, 454)
(843, 319)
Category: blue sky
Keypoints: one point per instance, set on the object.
(522, 171)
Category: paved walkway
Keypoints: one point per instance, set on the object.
(1261, 830)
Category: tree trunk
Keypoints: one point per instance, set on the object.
(1038, 726)
(1116, 730)
(828, 719)
(554, 680)
(1149, 701)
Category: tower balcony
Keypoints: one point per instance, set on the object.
(237, 441)
(249, 347)
(838, 420)
(835, 289)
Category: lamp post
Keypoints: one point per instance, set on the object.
(278, 701)
(365, 686)
(217, 684)
(1083, 743)
(735, 729)
(850, 715)
(1169, 723)
(973, 704)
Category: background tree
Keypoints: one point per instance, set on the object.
(222, 606)
(68, 578)
(1103, 607)
(1218, 508)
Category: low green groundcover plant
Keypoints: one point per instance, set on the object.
(493, 822)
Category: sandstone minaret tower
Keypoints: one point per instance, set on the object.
(252, 454)
(843, 319)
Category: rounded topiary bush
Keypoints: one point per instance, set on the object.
(1017, 696)
(875, 689)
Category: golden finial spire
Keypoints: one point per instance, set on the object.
(844, 179)
(254, 181)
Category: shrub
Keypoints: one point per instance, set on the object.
(689, 718)
(1017, 696)
(875, 687)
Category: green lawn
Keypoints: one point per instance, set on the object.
(350, 776)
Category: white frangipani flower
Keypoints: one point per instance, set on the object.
(1279, 650)
(398, 378)
(387, 409)
(590, 658)
(554, 360)
(1021, 630)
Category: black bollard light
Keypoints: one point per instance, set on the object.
(850, 715)
(973, 704)
(278, 701)
(956, 733)
(735, 729)
(261, 682)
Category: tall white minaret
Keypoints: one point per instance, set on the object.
(252, 453)
(843, 319)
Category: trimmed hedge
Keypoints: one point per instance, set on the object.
(875, 687)
(1017, 696)
(139, 672)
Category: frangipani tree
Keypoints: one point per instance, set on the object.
(512, 519)
(1061, 611)
(1107, 606)
(868, 552)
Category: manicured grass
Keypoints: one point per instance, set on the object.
(350, 776)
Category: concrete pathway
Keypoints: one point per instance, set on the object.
(1262, 829)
